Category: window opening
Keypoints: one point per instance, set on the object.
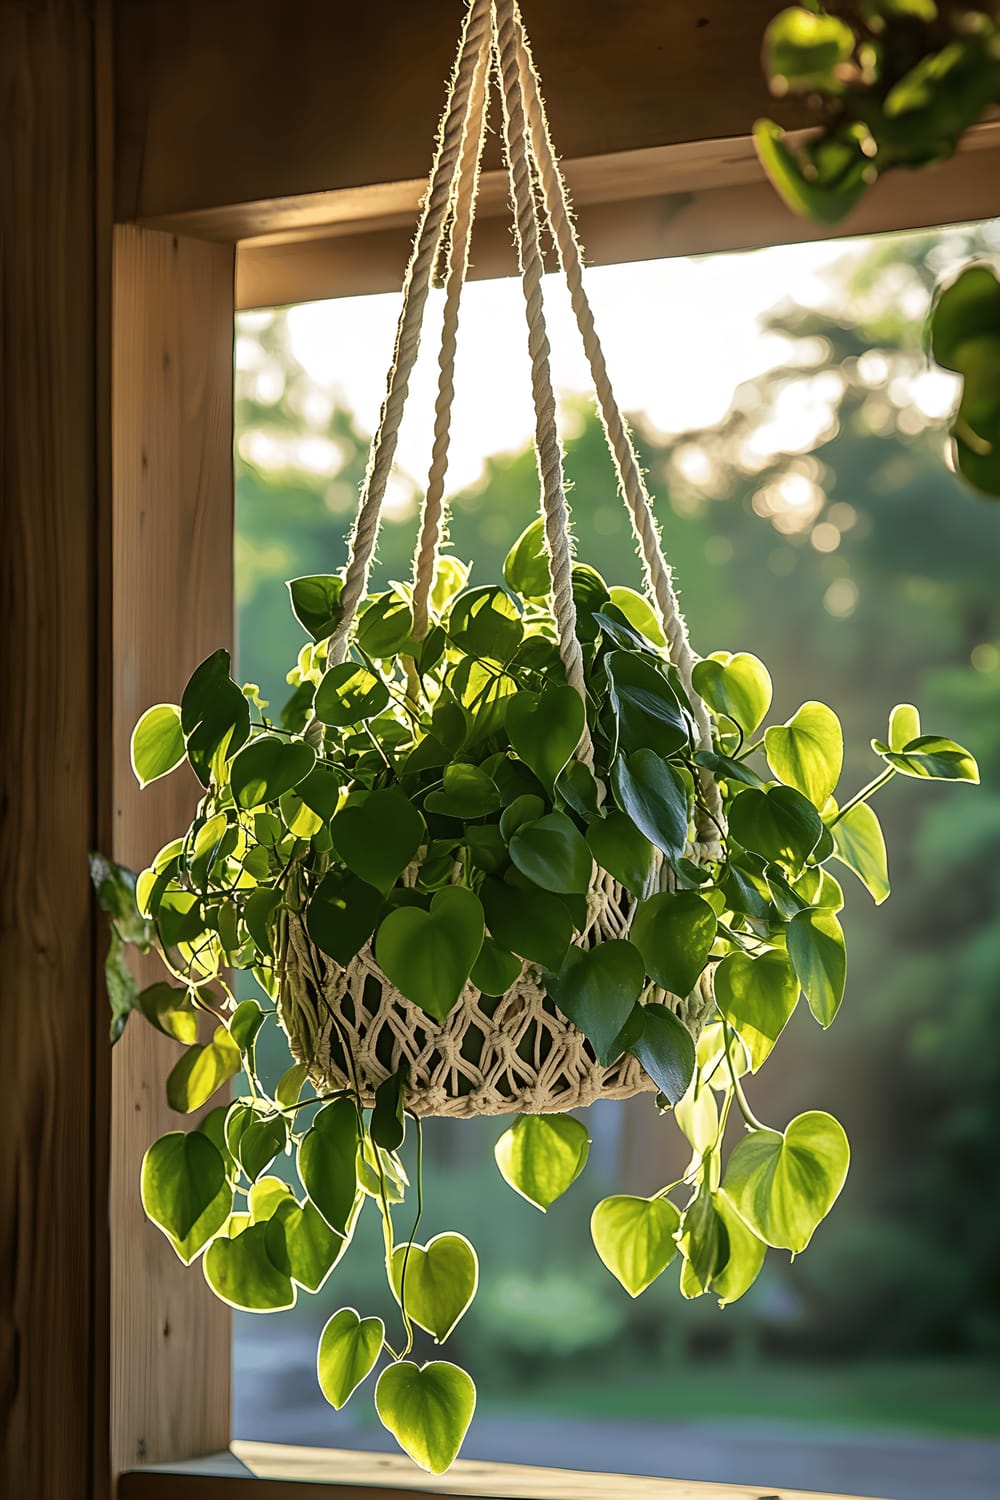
(796, 442)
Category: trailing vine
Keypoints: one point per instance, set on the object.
(421, 801)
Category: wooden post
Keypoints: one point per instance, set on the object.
(53, 725)
(172, 405)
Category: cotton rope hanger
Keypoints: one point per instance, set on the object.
(563, 1075)
(494, 32)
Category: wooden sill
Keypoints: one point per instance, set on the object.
(287, 1473)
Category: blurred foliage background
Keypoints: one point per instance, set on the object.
(863, 572)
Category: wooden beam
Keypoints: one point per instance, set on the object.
(679, 200)
(172, 401)
(227, 107)
(272, 1471)
(53, 730)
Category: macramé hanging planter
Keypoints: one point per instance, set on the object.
(510, 849)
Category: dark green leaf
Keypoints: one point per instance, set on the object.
(674, 933)
(486, 622)
(215, 716)
(779, 824)
(553, 853)
(267, 767)
(647, 713)
(620, 848)
(341, 915)
(385, 625)
(379, 837)
(532, 923)
(388, 1124)
(467, 793)
(545, 728)
(316, 603)
(666, 1051)
(428, 955)
(495, 970)
(816, 949)
(597, 989)
(654, 795)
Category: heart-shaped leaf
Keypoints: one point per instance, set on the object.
(745, 1258)
(597, 989)
(738, 687)
(341, 915)
(486, 623)
(620, 848)
(674, 932)
(301, 1242)
(819, 958)
(931, 758)
(859, 844)
(639, 613)
(703, 1241)
(808, 752)
(780, 824)
(635, 1238)
(757, 996)
(782, 1186)
(526, 566)
(260, 1143)
(316, 603)
(428, 955)
(377, 838)
(495, 970)
(185, 1191)
(540, 1156)
(647, 713)
(201, 1070)
(170, 1010)
(241, 1272)
(436, 1282)
(654, 795)
(666, 1051)
(385, 625)
(215, 716)
(553, 853)
(533, 924)
(349, 1348)
(427, 1409)
(327, 1162)
(545, 728)
(349, 694)
(268, 767)
(157, 743)
(467, 792)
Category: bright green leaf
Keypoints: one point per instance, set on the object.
(635, 1238)
(757, 996)
(349, 1348)
(427, 1409)
(195, 1077)
(859, 844)
(436, 1282)
(808, 752)
(185, 1191)
(327, 1162)
(819, 958)
(782, 1186)
(738, 687)
(540, 1156)
(157, 743)
(240, 1272)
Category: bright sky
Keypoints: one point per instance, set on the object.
(679, 336)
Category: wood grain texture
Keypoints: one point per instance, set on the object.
(683, 200)
(242, 101)
(172, 402)
(53, 1216)
(272, 1471)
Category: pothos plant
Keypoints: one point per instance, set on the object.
(423, 796)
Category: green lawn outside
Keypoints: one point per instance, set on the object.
(931, 1396)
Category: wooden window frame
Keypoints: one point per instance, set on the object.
(147, 197)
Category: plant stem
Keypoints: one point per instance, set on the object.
(749, 1118)
(864, 794)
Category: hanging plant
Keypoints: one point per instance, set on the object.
(510, 849)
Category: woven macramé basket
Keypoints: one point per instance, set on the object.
(516, 1054)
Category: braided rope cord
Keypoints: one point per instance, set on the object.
(659, 577)
(547, 444)
(463, 214)
(419, 275)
